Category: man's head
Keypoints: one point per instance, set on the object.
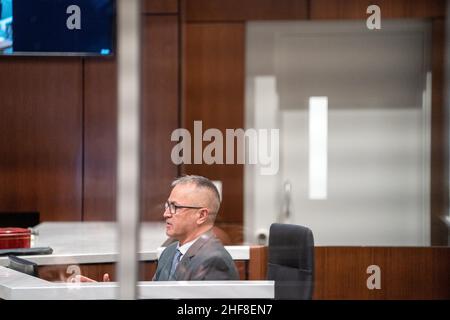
(192, 208)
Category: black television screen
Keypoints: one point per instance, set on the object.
(57, 27)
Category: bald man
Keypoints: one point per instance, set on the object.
(190, 213)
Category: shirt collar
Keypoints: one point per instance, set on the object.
(185, 247)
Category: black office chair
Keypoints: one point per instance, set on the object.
(291, 261)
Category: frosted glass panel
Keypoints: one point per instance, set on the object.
(377, 132)
(359, 70)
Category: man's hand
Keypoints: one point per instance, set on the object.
(80, 278)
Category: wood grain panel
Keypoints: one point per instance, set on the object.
(58, 273)
(242, 268)
(147, 270)
(41, 136)
(213, 87)
(233, 232)
(406, 273)
(160, 6)
(243, 10)
(340, 273)
(259, 256)
(356, 9)
(160, 112)
(100, 139)
(439, 139)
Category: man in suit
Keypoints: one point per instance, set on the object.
(190, 213)
(196, 254)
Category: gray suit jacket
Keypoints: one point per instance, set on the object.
(206, 259)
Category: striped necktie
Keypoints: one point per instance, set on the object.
(176, 259)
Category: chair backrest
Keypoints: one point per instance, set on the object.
(291, 261)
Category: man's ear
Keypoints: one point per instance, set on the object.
(204, 215)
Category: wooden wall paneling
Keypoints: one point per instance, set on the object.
(160, 111)
(440, 277)
(407, 263)
(159, 118)
(95, 271)
(241, 267)
(100, 139)
(406, 272)
(340, 273)
(213, 92)
(243, 10)
(234, 232)
(356, 9)
(147, 270)
(257, 269)
(416, 273)
(59, 273)
(159, 6)
(439, 139)
(41, 136)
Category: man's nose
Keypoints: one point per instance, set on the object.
(166, 213)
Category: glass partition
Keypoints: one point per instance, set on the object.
(353, 110)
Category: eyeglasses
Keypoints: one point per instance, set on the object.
(173, 207)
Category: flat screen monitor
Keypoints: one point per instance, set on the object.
(57, 27)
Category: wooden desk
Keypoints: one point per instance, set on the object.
(18, 286)
(91, 249)
(405, 272)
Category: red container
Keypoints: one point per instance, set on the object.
(12, 238)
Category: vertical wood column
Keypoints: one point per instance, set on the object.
(160, 108)
(100, 139)
(213, 88)
(439, 140)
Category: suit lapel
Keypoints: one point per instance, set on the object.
(183, 269)
(167, 263)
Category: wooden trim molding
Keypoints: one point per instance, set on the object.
(257, 268)
(390, 9)
(439, 139)
(243, 10)
(160, 6)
